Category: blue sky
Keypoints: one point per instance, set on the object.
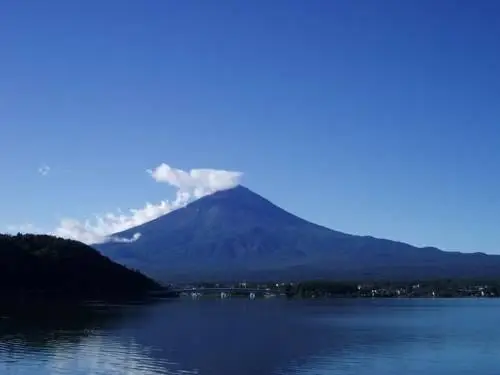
(370, 117)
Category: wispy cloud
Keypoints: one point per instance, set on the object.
(24, 228)
(44, 170)
(190, 185)
(102, 228)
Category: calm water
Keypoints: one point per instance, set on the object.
(261, 337)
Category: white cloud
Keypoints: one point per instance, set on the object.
(103, 227)
(134, 238)
(198, 182)
(44, 170)
(190, 186)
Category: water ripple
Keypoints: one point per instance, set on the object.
(97, 354)
(259, 338)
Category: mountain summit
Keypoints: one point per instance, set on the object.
(236, 234)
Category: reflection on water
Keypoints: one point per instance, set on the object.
(92, 355)
(376, 337)
(76, 340)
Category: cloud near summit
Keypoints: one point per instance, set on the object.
(190, 185)
(199, 182)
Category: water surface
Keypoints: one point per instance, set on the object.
(260, 337)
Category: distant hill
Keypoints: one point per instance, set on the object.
(40, 265)
(237, 234)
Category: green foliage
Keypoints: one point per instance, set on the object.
(50, 266)
(322, 288)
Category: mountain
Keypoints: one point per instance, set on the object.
(237, 234)
(41, 265)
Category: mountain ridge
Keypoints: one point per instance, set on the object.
(236, 233)
(242, 191)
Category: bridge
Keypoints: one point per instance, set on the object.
(221, 289)
(226, 291)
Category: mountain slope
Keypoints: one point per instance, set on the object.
(236, 234)
(50, 266)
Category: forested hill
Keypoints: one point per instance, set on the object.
(44, 265)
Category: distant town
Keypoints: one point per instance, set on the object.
(334, 289)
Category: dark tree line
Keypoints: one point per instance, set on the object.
(322, 288)
(42, 265)
(439, 288)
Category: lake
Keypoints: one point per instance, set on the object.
(259, 337)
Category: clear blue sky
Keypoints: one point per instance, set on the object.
(370, 117)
